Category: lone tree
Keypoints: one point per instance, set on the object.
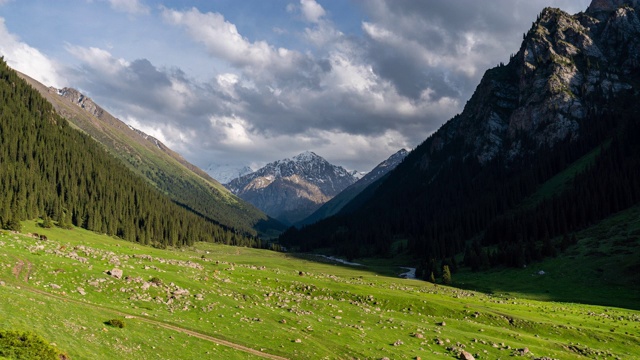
(446, 275)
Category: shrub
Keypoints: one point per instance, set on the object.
(13, 224)
(47, 223)
(25, 345)
(156, 280)
(115, 323)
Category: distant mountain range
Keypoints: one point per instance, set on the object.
(291, 189)
(148, 157)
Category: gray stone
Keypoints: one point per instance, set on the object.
(116, 273)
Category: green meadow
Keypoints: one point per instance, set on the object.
(221, 302)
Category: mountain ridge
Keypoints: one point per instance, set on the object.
(147, 156)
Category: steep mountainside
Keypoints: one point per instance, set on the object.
(49, 169)
(564, 109)
(151, 159)
(291, 189)
(338, 202)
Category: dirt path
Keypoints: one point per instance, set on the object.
(18, 269)
(154, 322)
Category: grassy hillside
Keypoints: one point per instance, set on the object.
(162, 167)
(602, 268)
(215, 301)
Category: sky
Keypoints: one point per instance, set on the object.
(253, 81)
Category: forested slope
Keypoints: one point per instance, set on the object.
(50, 170)
(566, 103)
(151, 159)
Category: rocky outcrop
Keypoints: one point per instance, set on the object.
(547, 89)
(79, 99)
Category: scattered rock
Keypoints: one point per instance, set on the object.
(298, 341)
(81, 291)
(179, 292)
(2, 283)
(116, 273)
(418, 335)
(54, 286)
(443, 324)
(398, 343)
(465, 355)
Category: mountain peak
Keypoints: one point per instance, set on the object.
(291, 189)
(307, 156)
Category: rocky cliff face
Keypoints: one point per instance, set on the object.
(76, 97)
(291, 189)
(541, 96)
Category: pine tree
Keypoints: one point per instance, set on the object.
(446, 275)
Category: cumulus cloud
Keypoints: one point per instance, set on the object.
(311, 10)
(129, 6)
(274, 102)
(446, 45)
(414, 67)
(27, 59)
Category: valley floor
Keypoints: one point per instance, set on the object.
(214, 301)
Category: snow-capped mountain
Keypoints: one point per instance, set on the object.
(291, 189)
(225, 173)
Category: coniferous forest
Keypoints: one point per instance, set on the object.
(493, 213)
(52, 171)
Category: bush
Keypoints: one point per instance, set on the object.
(13, 225)
(47, 223)
(25, 345)
(115, 323)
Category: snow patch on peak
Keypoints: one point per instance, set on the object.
(307, 156)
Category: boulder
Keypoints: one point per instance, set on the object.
(116, 273)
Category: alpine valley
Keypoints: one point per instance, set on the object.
(513, 231)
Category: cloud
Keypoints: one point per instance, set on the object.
(222, 39)
(311, 10)
(270, 102)
(129, 6)
(27, 59)
(445, 45)
(412, 67)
